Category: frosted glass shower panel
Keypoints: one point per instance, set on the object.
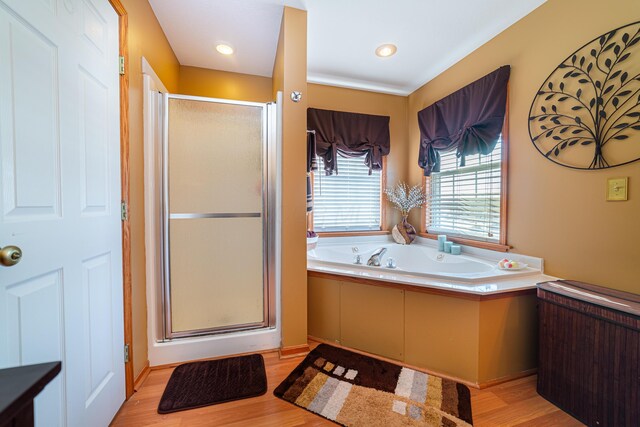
(215, 157)
(216, 277)
(214, 166)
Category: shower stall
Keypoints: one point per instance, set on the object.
(212, 194)
(216, 218)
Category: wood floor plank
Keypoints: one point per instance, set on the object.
(517, 390)
(553, 419)
(486, 402)
(525, 411)
(515, 403)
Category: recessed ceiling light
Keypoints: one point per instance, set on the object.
(386, 50)
(224, 49)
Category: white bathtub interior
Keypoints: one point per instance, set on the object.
(421, 264)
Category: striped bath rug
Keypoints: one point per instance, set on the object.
(356, 390)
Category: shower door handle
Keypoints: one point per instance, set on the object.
(215, 215)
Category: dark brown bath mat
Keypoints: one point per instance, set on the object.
(198, 384)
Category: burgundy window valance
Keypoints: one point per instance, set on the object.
(351, 135)
(469, 120)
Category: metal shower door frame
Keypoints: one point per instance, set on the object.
(268, 221)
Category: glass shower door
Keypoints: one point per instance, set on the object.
(216, 229)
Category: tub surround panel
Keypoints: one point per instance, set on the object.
(324, 312)
(442, 334)
(371, 319)
(507, 337)
(479, 342)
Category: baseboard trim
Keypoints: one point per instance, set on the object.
(137, 383)
(294, 351)
(512, 377)
(478, 386)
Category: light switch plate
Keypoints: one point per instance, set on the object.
(617, 189)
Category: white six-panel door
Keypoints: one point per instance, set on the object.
(60, 203)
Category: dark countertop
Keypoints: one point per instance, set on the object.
(20, 385)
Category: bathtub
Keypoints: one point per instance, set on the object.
(454, 315)
(421, 264)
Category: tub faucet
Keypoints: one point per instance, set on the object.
(376, 257)
(357, 259)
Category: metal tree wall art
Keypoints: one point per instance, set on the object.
(586, 114)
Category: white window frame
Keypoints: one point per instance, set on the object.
(319, 176)
(501, 243)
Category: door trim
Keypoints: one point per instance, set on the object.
(123, 25)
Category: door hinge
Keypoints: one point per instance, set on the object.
(124, 211)
(126, 353)
(121, 58)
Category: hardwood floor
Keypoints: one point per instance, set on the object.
(515, 403)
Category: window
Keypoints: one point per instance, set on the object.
(466, 201)
(348, 201)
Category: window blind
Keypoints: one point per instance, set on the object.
(465, 201)
(348, 201)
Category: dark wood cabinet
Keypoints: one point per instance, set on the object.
(589, 352)
(18, 387)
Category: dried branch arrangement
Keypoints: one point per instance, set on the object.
(405, 198)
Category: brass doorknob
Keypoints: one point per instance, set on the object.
(10, 256)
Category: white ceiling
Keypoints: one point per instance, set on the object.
(195, 27)
(431, 36)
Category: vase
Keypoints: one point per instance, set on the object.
(403, 232)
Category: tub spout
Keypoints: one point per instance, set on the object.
(376, 257)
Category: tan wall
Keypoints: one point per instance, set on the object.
(290, 74)
(221, 84)
(277, 76)
(147, 39)
(358, 101)
(556, 213)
